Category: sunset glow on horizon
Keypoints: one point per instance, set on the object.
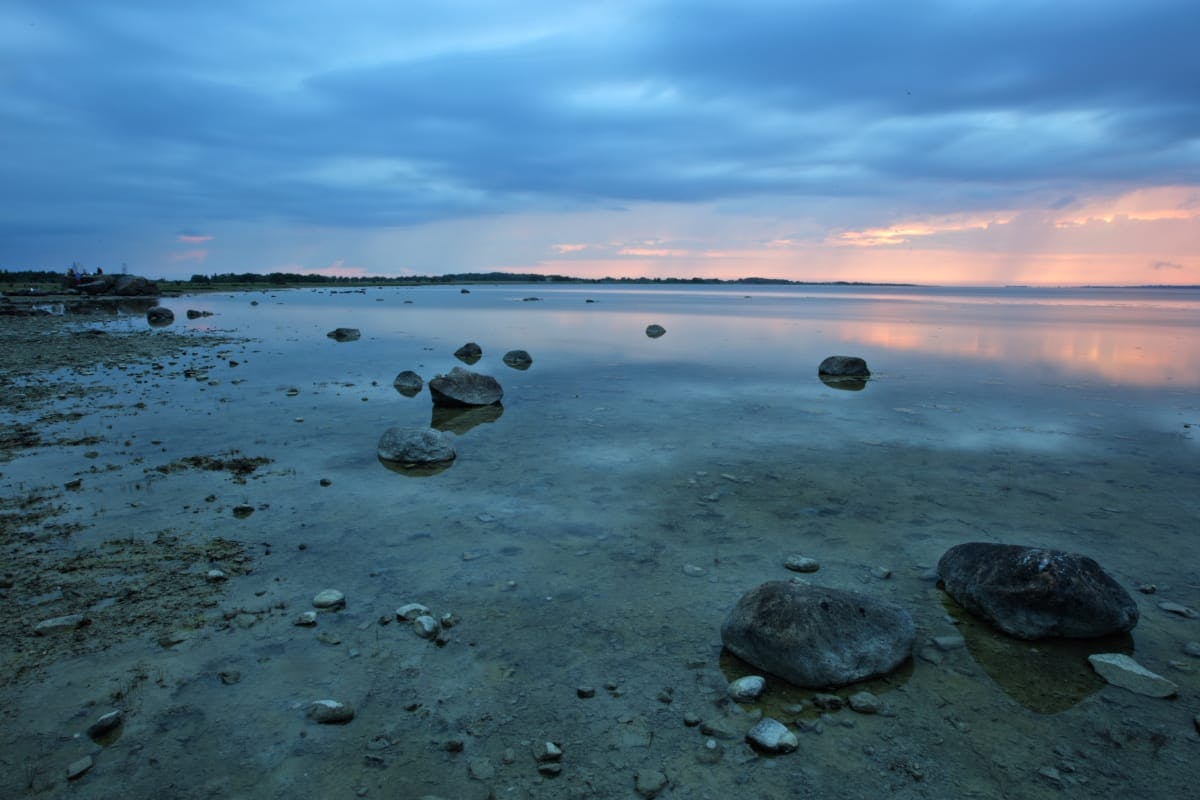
(982, 143)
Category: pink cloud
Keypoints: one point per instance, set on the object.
(198, 255)
(337, 269)
(193, 239)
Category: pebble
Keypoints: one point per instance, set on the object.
(1176, 608)
(481, 769)
(331, 712)
(667, 695)
(547, 751)
(829, 702)
(306, 619)
(710, 753)
(691, 719)
(215, 576)
(747, 689)
(882, 573)
(410, 611)
(802, 564)
(426, 626)
(692, 571)
(648, 783)
(947, 643)
(865, 703)
(57, 624)
(1192, 649)
(718, 729)
(550, 769)
(1121, 670)
(76, 768)
(106, 724)
(772, 736)
(330, 599)
(584, 692)
(1147, 588)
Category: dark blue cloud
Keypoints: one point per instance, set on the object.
(130, 113)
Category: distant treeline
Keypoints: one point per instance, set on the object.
(31, 276)
(291, 278)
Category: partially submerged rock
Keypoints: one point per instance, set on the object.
(518, 359)
(344, 334)
(465, 388)
(160, 315)
(331, 712)
(1034, 593)
(814, 636)
(655, 331)
(844, 367)
(408, 383)
(416, 446)
(469, 353)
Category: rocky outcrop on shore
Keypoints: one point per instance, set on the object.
(117, 286)
(1034, 593)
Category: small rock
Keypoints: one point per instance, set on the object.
(692, 571)
(242, 511)
(691, 719)
(844, 367)
(449, 620)
(481, 769)
(329, 599)
(948, 643)
(325, 482)
(1180, 610)
(230, 677)
(469, 352)
(881, 573)
(772, 736)
(305, 619)
(106, 724)
(426, 626)
(584, 692)
(416, 446)
(547, 751)
(1121, 670)
(408, 383)
(718, 729)
(518, 359)
(649, 782)
(829, 702)
(655, 331)
(292, 391)
(865, 703)
(344, 334)
(747, 689)
(215, 576)
(550, 769)
(410, 611)
(331, 712)
(1192, 649)
(76, 768)
(68, 622)
(1147, 588)
(158, 315)
(802, 564)
(666, 696)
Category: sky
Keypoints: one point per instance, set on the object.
(928, 141)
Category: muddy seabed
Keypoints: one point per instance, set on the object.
(593, 535)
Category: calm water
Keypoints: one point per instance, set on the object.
(561, 535)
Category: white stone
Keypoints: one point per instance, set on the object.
(801, 564)
(426, 626)
(747, 689)
(329, 598)
(1121, 670)
(411, 611)
(331, 712)
(306, 618)
(68, 623)
(215, 576)
(549, 751)
(772, 736)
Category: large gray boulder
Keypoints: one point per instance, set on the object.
(416, 446)
(844, 367)
(1034, 593)
(813, 636)
(465, 388)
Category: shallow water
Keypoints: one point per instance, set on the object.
(561, 534)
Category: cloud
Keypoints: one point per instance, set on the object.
(187, 238)
(199, 255)
(1165, 265)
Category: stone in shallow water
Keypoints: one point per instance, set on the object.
(344, 334)
(331, 712)
(844, 367)
(816, 636)
(329, 598)
(802, 564)
(408, 383)
(1121, 670)
(416, 446)
(1034, 593)
(747, 689)
(655, 331)
(462, 387)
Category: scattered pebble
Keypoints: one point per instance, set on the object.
(947, 643)
(802, 564)
(68, 622)
(691, 719)
(881, 573)
(692, 571)
(547, 751)
(410, 611)
(1121, 670)
(326, 482)
(215, 576)
(230, 677)
(772, 736)
(865, 703)
(106, 724)
(828, 702)
(1147, 588)
(481, 769)
(1176, 608)
(305, 619)
(330, 712)
(747, 689)
(329, 599)
(667, 696)
(584, 692)
(426, 626)
(649, 782)
(76, 768)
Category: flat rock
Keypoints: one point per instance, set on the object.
(76, 768)
(772, 736)
(106, 724)
(814, 636)
(649, 782)
(416, 446)
(1121, 670)
(865, 703)
(801, 564)
(410, 611)
(1034, 593)
(844, 367)
(344, 334)
(1178, 609)
(462, 387)
(330, 712)
(68, 622)
(329, 598)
